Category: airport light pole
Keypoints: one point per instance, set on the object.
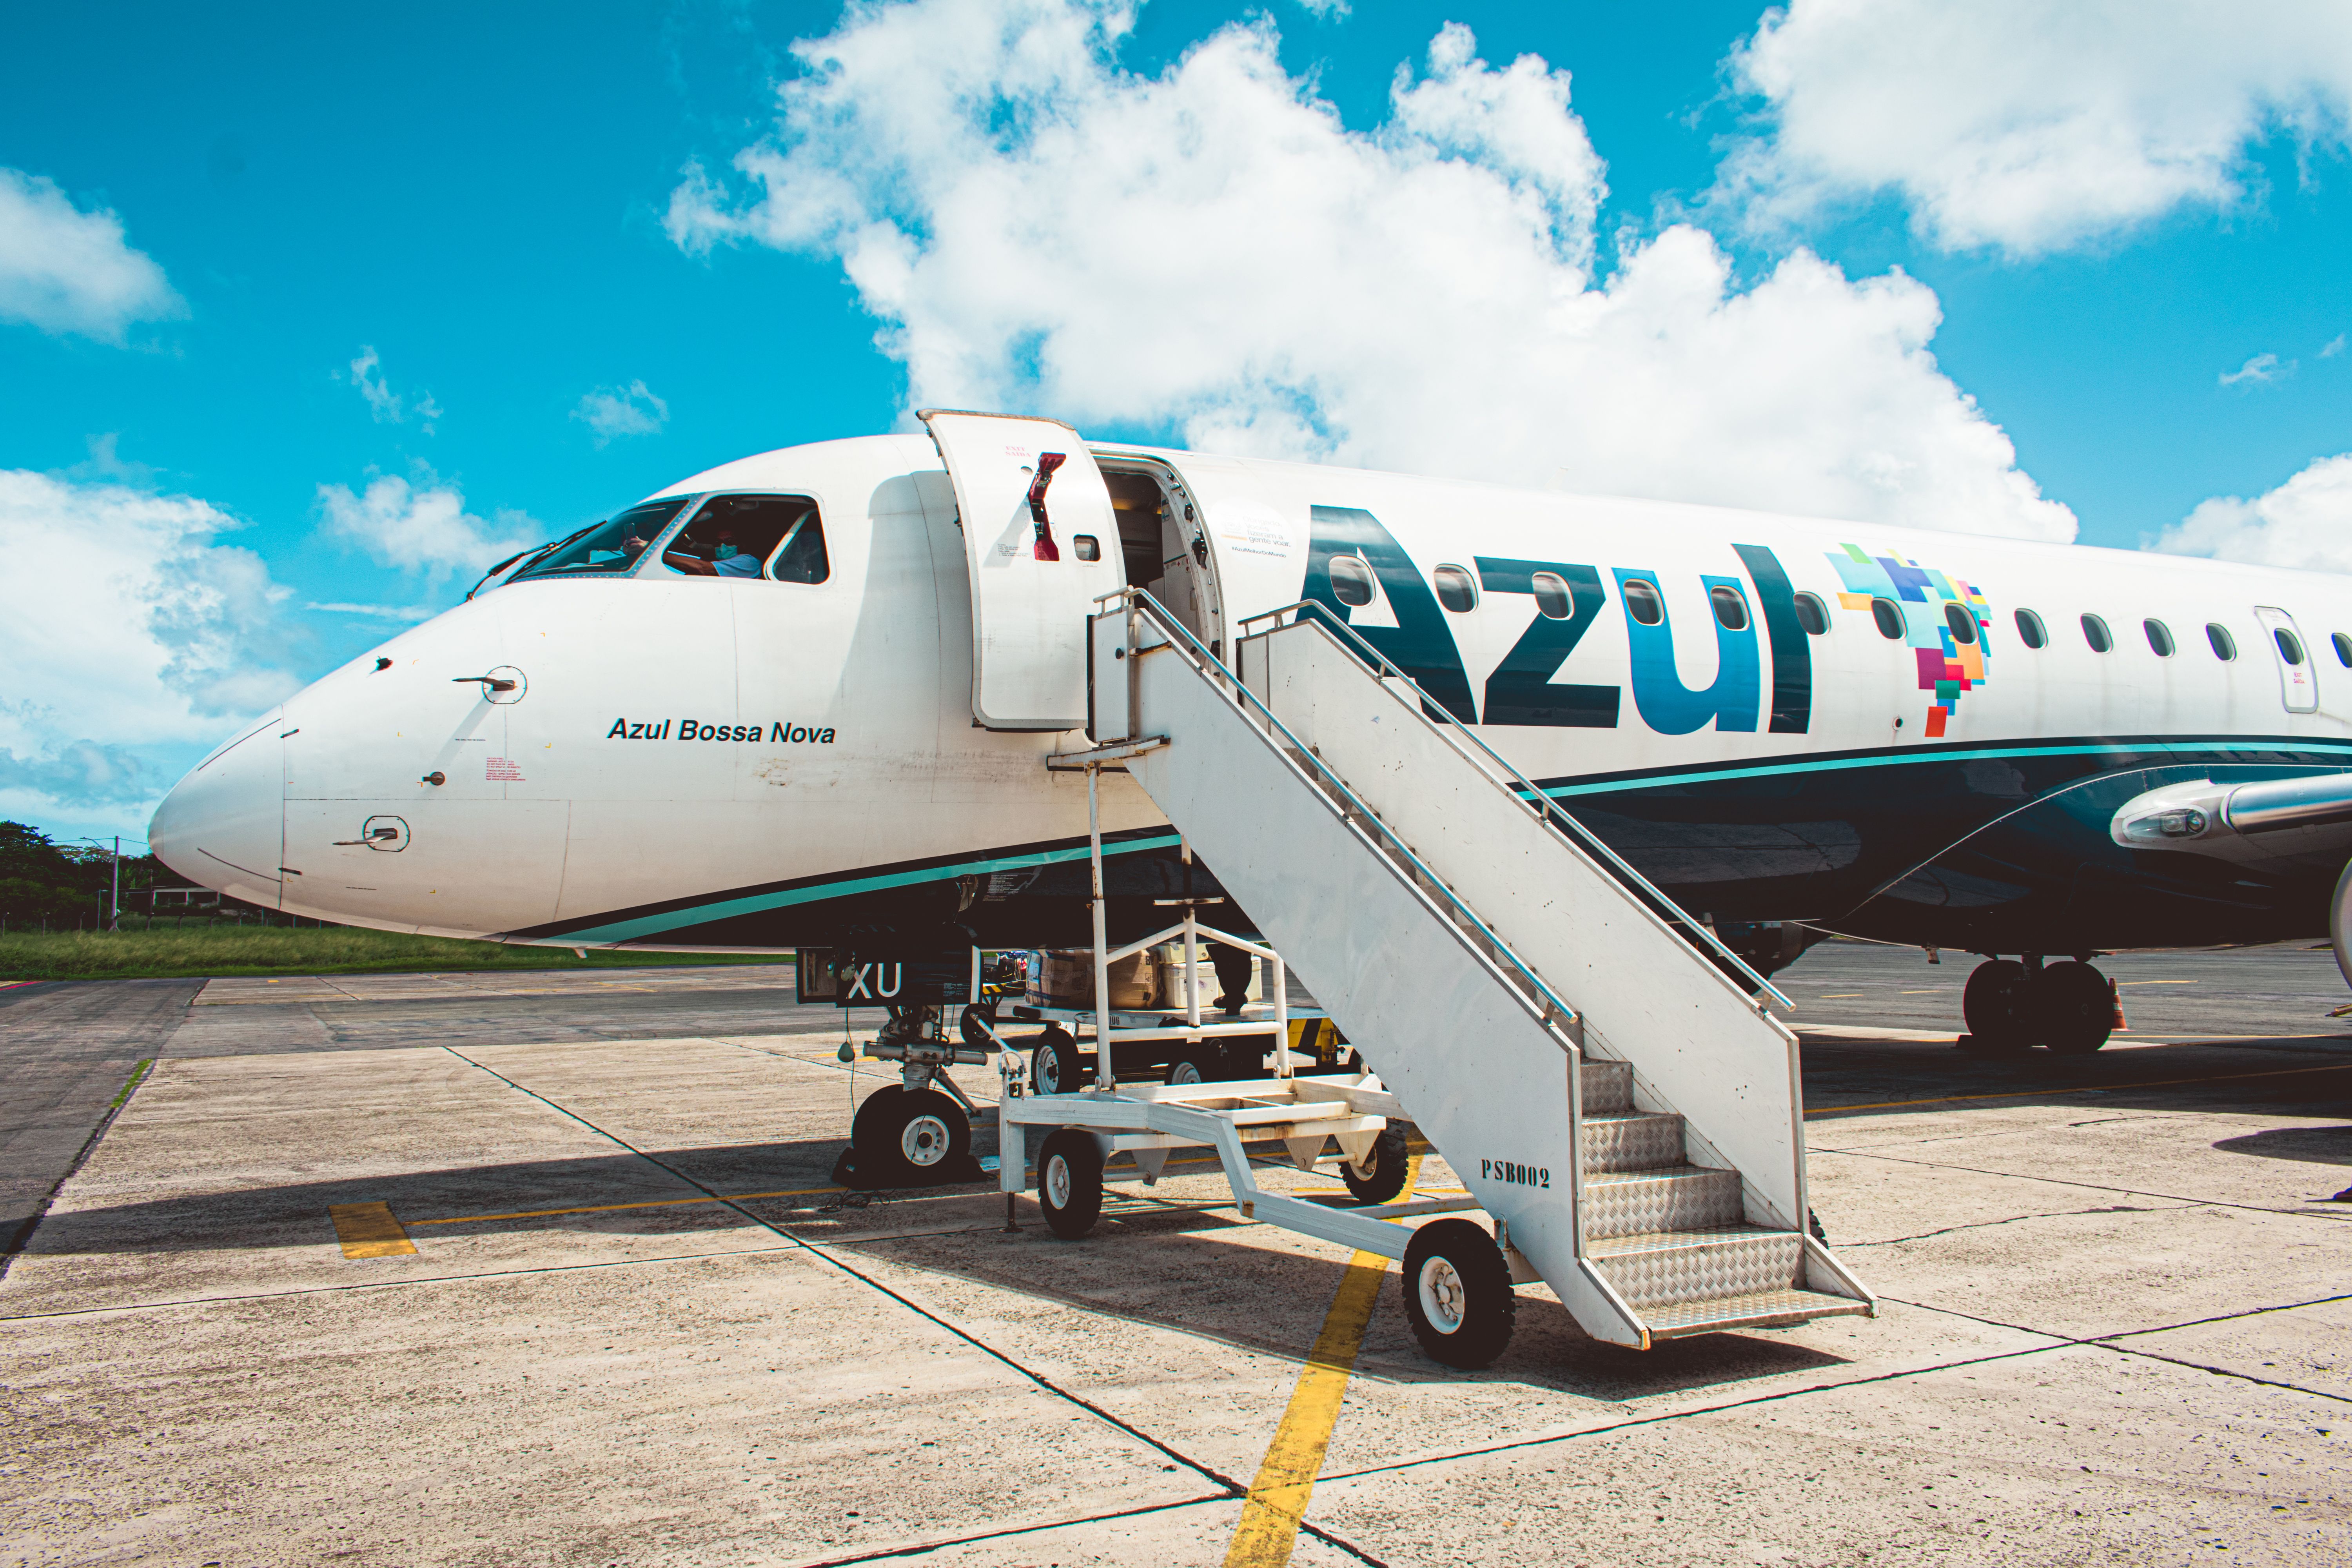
(114, 896)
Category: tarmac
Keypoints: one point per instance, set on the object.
(612, 1310)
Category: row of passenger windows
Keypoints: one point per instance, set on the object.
(1351, 584)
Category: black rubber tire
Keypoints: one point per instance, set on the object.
(911, 1140)
(1998, 1006)
(2076, 1006)
(1069, 1183)
(1054, 1064)
(1386, 1165)
(968, 1022)
(865, 1128)
(1455, 1264)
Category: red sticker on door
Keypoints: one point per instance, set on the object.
(502, 770)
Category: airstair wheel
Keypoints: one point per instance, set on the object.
(1382, 1174)
(1457, 1293)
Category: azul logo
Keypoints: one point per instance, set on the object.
(694, 730)
(1571, 598)
(1944, 622)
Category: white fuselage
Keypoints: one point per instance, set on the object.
(682, 756)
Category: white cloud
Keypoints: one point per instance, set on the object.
(2027, 126)
(65, 270)
(1211, 251)
(2334, 346)
(1326, 10)
(2306, 523)
(388, 406)
(2260, 370)
(423, 528)
(630, 410)
(124, 628)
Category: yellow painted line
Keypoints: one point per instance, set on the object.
(2079, 1089)
(608, 1208)
(1276, 1503)
(369, 1230)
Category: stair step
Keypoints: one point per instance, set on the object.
(1758, 1310)
(1636, 1202)
(1608, 1087)
(1632, 1140)
(1673, 1268)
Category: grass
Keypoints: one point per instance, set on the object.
(219, 949)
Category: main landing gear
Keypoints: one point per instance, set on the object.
(2068, 1006)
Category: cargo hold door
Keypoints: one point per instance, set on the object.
(1040, 543)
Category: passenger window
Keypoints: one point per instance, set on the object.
(1351, 581)
(2343, 645)
(2225, 647)
(1812, 615)
(1731, 609)
(1963, 625)
(738, 536)
(1889, 617)
(2030, 630)
(2095, 632)
(1641, 602)
(2290, 647)
(1455, 591)
(2160, 636)
(606, 548)
(1089, 547)
(1554, 603)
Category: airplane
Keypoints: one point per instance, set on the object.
(809, 697)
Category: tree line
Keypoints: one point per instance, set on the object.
(65, 886)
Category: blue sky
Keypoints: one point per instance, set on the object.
(529, 215)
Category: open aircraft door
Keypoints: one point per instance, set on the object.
(1040, 543)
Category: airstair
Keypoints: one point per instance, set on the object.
(1601, 1074)
(1604, 1077)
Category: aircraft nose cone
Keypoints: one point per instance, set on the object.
(224, 826)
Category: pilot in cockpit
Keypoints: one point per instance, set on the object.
(729, 561)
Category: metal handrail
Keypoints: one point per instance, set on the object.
(1527, 790)
(1436, 887)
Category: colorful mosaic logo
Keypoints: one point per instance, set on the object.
(1946, 667)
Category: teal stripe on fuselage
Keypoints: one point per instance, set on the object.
(753, 903)
(1969, 753)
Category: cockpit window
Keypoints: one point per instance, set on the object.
(778, 537)
(607, 548)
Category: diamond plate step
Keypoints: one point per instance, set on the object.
(1636, 1202)
(1758, 1310)
(1607, 1087)
(1677, 1267)
(1631, 1142)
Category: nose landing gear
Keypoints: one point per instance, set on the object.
(2069, 1007)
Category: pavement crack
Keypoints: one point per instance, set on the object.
(2089, 1187)
(1989, 1224)
(2107, 1342)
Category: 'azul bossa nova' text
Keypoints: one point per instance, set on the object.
(775, 734)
